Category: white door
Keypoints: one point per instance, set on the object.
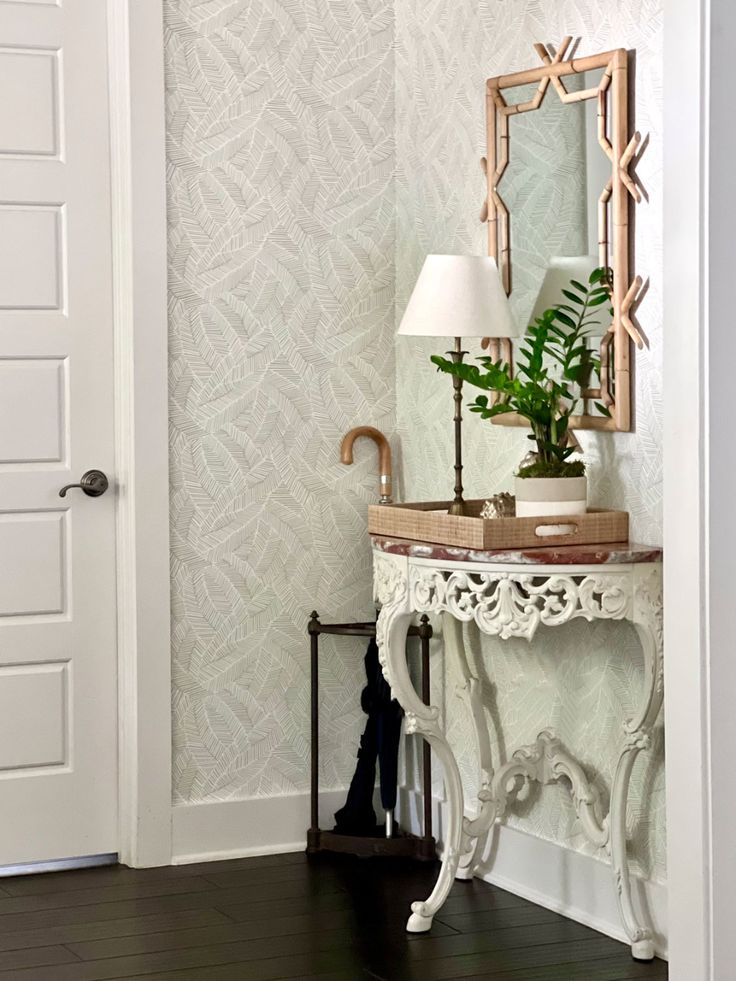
(58, 699)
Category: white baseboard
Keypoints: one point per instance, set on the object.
(217, 830)
(575, 885)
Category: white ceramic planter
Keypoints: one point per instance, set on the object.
(536, 496)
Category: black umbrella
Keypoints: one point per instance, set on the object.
(379, 742)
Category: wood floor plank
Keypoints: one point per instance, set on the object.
(255, 910)
(95, 878)
(495, 919)
(108, 929)
(199, 958)
(250, 878)
(265, 971)
(396, 897)
(345, 923)
(478, 895)
(107, 894)
(243, 875)
(517, 962)
(15, 960)
(156, 904)
(333, 976)
(345, 961)
(548, 968)
(621, 968)
(113, 875)
(344, 965)
(431, 946)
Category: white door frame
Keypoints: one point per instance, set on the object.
(684, 516)
(137, 113)
(700, 488)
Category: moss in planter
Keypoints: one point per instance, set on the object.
(554, 468)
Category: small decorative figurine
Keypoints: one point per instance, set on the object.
(499, 506)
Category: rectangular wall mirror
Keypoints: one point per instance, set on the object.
(560, 198)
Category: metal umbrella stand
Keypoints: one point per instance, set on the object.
(356, 831)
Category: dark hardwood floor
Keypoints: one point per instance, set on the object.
(282, 916)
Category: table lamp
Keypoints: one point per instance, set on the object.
(458, 296)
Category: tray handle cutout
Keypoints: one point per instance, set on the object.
(549, 529)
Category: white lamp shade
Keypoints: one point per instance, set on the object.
(458, 296)
(561, 269)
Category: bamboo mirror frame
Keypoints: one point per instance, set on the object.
(615, 207)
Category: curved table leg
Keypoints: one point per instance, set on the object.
(391, 630)
(648, 622)
(470, 691)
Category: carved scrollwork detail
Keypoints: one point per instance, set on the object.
(427, 588)
(389, 579)
(648, 620)
(638, 740)
(420, 908)
(605, 597)
(390, 591)
(649, 604)
(507, 604)
(414, 723)
(544, 761)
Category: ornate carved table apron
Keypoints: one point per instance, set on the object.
(510, 594)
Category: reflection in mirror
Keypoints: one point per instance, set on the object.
(552, 187)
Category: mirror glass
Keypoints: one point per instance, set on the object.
(551, 188)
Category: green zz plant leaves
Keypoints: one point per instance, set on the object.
(553, 357)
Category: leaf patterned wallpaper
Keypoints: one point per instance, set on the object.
(317, 150)
(281, 243)
(578, 679)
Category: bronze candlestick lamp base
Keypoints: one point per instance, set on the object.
(458, 506)
(458, 296)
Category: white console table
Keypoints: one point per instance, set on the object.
(510, 594)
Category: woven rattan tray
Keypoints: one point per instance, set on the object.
(428, 521)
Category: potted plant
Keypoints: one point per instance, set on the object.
(553, 357)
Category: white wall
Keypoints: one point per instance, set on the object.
(700, 671)
(281, 238)
(721, 477)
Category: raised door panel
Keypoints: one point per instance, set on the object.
(30, 115)
(38, 738)
(32, 254)
(33, 411)
(35, 583)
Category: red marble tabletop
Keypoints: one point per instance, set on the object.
(619, 553)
